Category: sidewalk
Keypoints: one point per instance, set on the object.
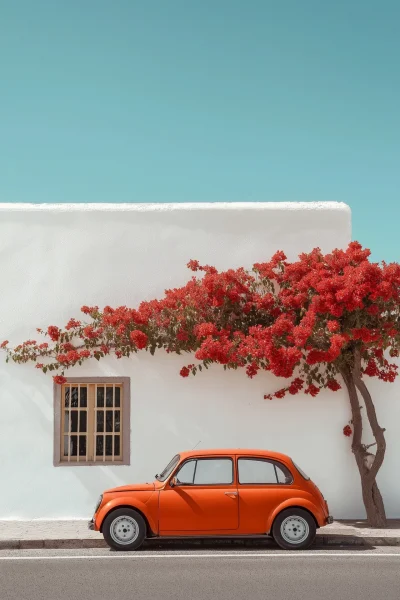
(74, 534)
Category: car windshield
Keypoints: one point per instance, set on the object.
(168, 469)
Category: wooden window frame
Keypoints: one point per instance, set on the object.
(58, 459)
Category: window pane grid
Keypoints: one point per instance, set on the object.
(91, 421)
(107, 442)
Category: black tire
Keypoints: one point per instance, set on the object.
(113, 531)
(302, 522)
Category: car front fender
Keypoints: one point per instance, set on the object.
(125, 500)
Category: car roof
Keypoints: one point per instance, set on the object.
(234, 451)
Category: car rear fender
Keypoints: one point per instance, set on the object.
(316, 512)
(124, 500)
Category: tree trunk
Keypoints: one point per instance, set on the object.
(374, 506)
(371, 495)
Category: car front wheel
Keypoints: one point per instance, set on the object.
(124, 529)
(294, 529)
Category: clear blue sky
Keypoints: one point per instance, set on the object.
(204, 100)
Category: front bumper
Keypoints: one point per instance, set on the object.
(91, 524)
(329, 520)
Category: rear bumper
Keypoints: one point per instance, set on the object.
(329, 520)
(91, 524)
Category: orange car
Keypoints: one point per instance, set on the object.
(216, 493)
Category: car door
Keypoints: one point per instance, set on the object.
(263, 484)
(204, 500)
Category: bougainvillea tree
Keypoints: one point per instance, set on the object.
(322, 321)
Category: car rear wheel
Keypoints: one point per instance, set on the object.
(124, 529)
(294, 529)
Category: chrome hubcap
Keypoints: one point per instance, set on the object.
(295, 530)
(124, 530)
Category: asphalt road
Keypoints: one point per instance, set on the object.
(98, 575)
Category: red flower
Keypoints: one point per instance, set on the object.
(39, 366)
(53, 332)
(72, 323)
(70, 358)
(205, 329)
(139, 338)
(193, 265)
(182, 336)
(312, 390)
(184, 372)
(333, 385)
(84, 353)
(89, 332)
(59, 379)
(296, 386)
(67, 346)
(347, 431)
(89, 309)
(252, 370)
(333, 326)
(4, 344)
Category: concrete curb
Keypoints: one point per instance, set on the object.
(321, 541)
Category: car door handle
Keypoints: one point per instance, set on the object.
(234, 494)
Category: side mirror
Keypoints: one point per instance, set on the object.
(173, 482)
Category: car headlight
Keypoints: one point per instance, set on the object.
(99, 501)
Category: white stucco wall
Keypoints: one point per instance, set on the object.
(55, 258)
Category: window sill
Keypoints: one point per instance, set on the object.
(106, 463)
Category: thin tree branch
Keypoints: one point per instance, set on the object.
(377, 430)
(356, 446)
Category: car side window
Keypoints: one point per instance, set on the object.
(260, 471)
(213, 471)
(207, 471)
(283, 474)
(186, 472)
